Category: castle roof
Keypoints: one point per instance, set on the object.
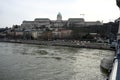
(42, 19)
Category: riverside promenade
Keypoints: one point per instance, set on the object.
(77, 44)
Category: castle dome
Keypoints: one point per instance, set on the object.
(59, 16)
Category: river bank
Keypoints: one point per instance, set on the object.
(75, 44)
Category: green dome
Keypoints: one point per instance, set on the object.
(59, 16)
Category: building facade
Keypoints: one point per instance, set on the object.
(59, 23)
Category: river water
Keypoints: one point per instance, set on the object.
(38, 62)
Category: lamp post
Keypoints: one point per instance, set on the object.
(118, 35)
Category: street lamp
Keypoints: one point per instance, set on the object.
(118, 35)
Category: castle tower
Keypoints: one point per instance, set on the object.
(59, 17)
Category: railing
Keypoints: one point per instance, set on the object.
(115, 73)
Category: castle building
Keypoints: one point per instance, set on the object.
(38, 22)
(77, 22)
(59, 23)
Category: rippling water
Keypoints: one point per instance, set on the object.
(37, 62)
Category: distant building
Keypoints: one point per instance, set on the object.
(19, 33)
(75, 22)
(59, 23)
(91, 23)
(27, 25)
(36, 34)
(38, 22)
(61, 33)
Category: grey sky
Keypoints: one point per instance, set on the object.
(15, 11)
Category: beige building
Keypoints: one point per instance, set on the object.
(19, 33)
(61, 33)
(36, 33)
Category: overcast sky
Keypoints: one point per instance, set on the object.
(15, 11)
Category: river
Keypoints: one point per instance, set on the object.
(40, 62)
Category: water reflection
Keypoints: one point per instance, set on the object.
(42, 52)
(34, 62)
